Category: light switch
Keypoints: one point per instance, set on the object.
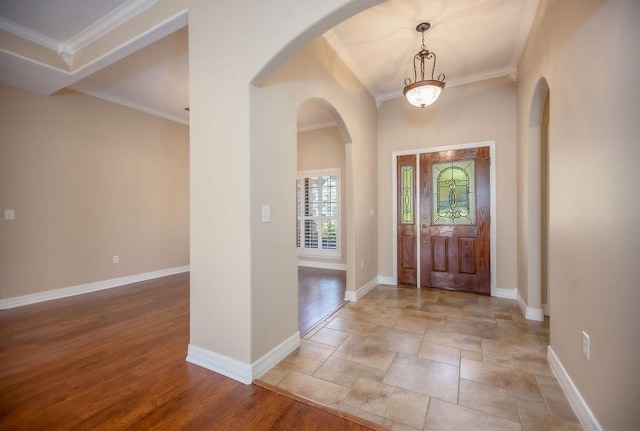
(372, 212)
(266, 213)
(9, 215)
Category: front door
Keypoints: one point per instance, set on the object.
(455, 220)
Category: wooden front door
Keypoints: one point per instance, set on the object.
(455, 220)
(406, 214)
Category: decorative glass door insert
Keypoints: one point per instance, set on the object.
(406, 202)
(453, 193)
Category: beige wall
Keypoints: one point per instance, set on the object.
(478, 112)
(324, 149)
(315, 71)
(242, 303)
(228, 51)
(320, 149)
(588, 53)
(88, 180)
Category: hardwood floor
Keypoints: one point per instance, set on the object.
(320, 293)
(115, 359)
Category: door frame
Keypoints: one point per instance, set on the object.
(495, 291)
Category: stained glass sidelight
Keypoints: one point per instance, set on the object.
(406, 205)
(453, 193)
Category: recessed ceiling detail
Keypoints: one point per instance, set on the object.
(475, 39)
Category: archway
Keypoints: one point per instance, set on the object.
(544, 208)
(323, 211)
(536, 202)
(242, 155)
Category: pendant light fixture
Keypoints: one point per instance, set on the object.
(425, 91)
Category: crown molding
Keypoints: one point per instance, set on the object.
(132, 105)
(41, 78)
(84, 38)
(482, 76)
(336, 44)
(528, 16)
(107, 24)
(30, 35)
(508, 71)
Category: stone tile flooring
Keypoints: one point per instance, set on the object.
(427, 359)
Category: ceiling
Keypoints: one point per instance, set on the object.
(473, 40)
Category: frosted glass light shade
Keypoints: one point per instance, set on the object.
(423, 93)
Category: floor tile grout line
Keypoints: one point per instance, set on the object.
(515, 328)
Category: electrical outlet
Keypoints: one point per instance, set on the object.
(586, 346)
(116, 258)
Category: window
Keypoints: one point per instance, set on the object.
(318, 208)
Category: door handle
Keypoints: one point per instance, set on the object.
(424, 226)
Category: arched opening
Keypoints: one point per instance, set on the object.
(536, 202)
(247, 265)
(544, 208)
(322, 210)
(307, 76)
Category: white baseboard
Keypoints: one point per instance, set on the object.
(276, 355)
(387, 280)
(546, 308)
(87, 288)
(529, 312)
(322, 265)
(220, 364)
(354, 296)
(583, 412)
(239, 371)
(505, 293)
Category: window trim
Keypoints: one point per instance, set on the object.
(319, 252)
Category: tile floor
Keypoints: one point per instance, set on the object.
(426, 359)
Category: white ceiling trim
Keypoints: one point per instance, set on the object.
(334, 41)
(454, 82)
(132, 105)
(153, 34)
(107, 24)
(525, 27)
(23, 72)
(482, 76)
(18, 70)
(95, 31)
(30, 35)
